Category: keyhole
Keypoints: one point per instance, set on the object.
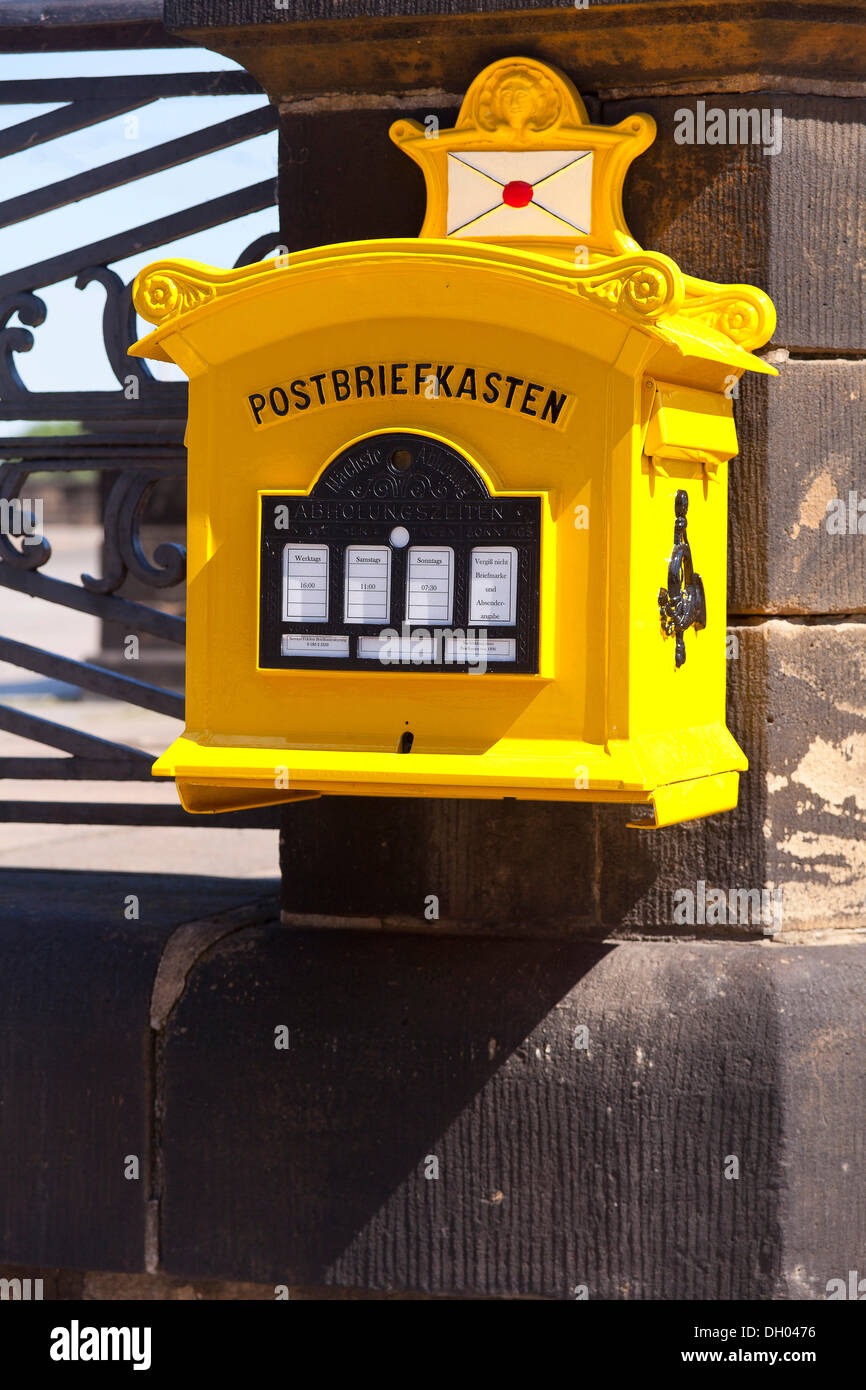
(406, 741)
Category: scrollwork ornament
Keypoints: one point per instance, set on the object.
(740, 320)
(646, 291)
(31, 311)
(124, 553)
(163, 295)
(742, 313)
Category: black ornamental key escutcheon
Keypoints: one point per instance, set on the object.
(682, 604)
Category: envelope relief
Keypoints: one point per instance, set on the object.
(520, 193)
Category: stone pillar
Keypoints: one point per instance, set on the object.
(586, 1074)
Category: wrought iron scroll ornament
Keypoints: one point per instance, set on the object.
(682, 604)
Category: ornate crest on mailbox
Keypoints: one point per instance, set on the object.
(438, 488)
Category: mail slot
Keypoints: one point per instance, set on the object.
(458, 503)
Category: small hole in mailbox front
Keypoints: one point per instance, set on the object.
(406, 741)
(401, 459)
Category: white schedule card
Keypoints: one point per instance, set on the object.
(305, 583)
(367, 596)
(493, 585)
(429, 584)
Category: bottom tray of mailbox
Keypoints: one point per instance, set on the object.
(682, 775)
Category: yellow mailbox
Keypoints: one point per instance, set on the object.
(457, 504)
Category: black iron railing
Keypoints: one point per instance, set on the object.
(134, 432)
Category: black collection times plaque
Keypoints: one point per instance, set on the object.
(400, 559)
